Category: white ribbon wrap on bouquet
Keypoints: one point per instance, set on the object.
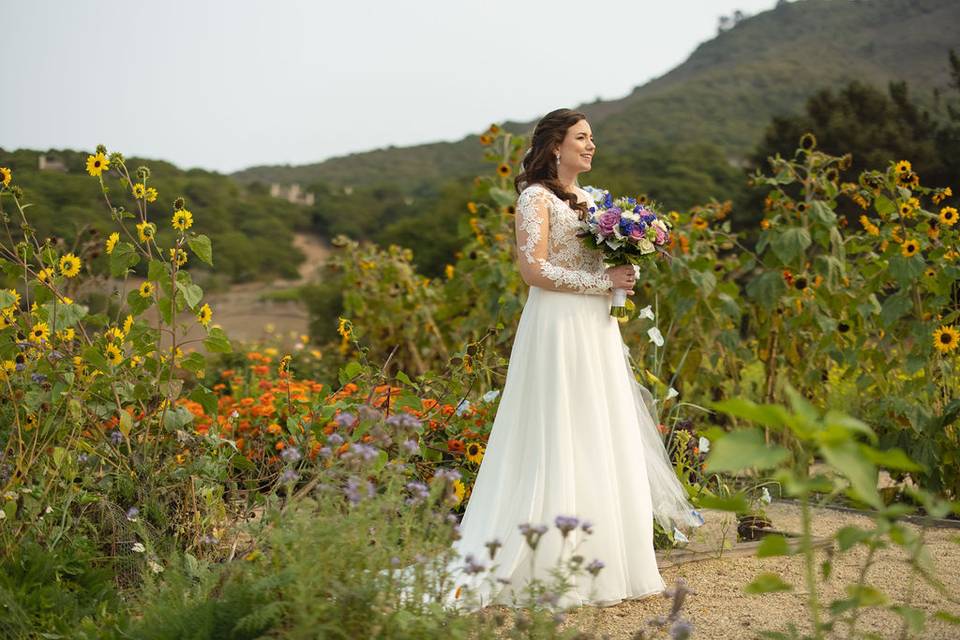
(619, 297)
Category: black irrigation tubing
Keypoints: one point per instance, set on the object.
(937, 523)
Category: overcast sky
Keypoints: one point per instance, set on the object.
(228, 84)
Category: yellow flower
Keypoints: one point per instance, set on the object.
(475, 452)
(135, 361)
(344, 328)
(39, 332)
(113, 354)
(151, 194)
(97, 164)
(910, 247)
(674, 217)
(472, 207)
(503, 170)
(127, 324)
(112, 334)
(46, 275)
(112, 242)
(30, 423)
(871, 228)
(204, 315)
(946, 338)
(948, 216)
(903, 166)
(5, 176)
(458, 490)
(182, 220)
(69, 265)
(930, 272)
(146, 231)
(700, 223)
(179, 256)
(139, 190)
(8, 367)
(66, 335)
(485, 139)
(146, 289)
(448, 271)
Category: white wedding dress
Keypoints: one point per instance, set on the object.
(573, 435)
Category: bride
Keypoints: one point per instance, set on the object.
(573, 446)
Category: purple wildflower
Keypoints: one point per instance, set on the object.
(291, 454)
(566, 524)
(132, 514)
(594, 567)
(289, 476)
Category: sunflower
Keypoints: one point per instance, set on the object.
(700, 223)
(146, 289)
(843, 327)
(46, 275)
(948, 216)
(39, 332)
(930, 272)
(503, 170)
(908, 179)
(182, 220)
(151, 194)
(643, 199)
(946, 338)
(906, 210)
(67, 334)
(472, 207)
(802, 207)
(474, 452)
(485, 139)
(179, 256)
(113, 354)
(204, 315)
(146, 231)
(139, 190)
(112, 242)
(871, 228)
(494, 129)
(808, 141)
(448, 271)
(127, 324)
(800, 283)
(97, 164)
(69, 265)
(30, 423)
(5, 176)
(910, 247)
(113, 334)
(832, 174)
(458, 490)
(903, 167)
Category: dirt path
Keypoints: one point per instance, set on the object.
(246, 316)
(720, 610)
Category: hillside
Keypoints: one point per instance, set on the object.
(724, 94)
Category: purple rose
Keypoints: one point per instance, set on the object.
(636, 232)
(608, 220)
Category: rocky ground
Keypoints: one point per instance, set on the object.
(719, 609)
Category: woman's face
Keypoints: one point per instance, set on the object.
(577, 149)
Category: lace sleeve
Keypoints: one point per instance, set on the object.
(533, 233)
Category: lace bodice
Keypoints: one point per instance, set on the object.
(549, 253)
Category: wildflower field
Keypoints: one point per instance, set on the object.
(153, 486)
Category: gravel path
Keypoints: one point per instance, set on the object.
(719, 608)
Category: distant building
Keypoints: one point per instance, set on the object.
(291, 193)
(51, 163)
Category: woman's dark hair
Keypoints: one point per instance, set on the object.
(540, 163)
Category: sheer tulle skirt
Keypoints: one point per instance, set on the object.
(568, 439)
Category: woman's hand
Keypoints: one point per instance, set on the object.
(623, 277)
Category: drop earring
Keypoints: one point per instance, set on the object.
(558, 159)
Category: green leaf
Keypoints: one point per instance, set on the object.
(126, 424)
(736, 503)
(790, 244)
(766, 288)
(157, 271)
(891, 458)
(846, 459)
(770, 415)
(820, 211)
(6, 299)
(773, 545)
(192, 294)
(200, 245)
(866, 596)
(744, 449)
(704, 281)
(913, 617)
(217, 341)
(123, 258)
(194, 363)
(205, 398)
(894, 307)
(767, 583)
(849, 536)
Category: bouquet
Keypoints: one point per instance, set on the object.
(625, 231)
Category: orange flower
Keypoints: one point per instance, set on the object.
(456, 446)
(274, 429)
